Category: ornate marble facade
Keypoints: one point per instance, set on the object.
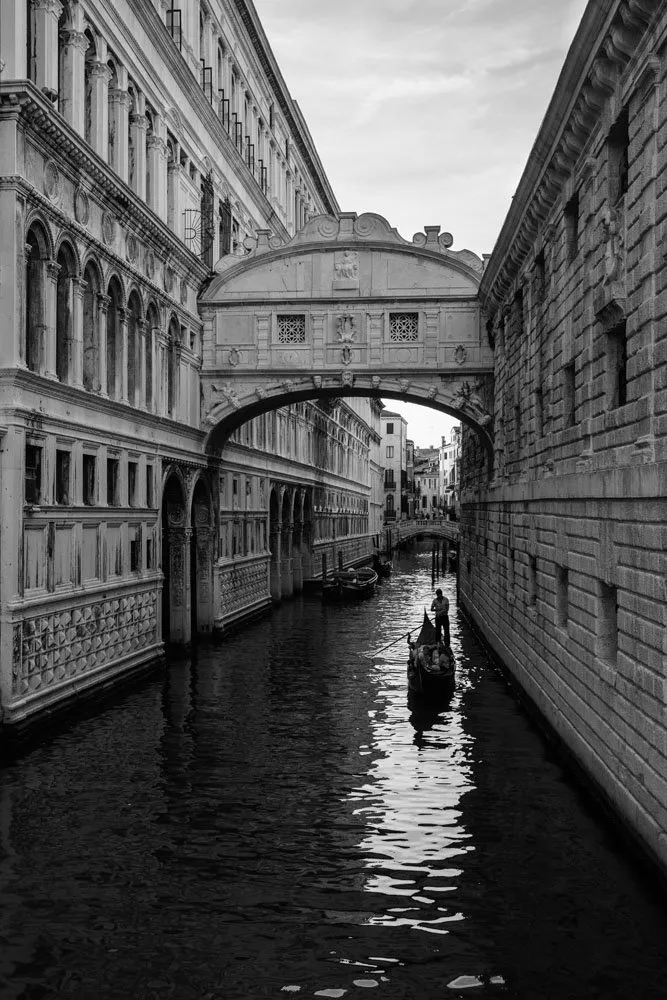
(123, 179)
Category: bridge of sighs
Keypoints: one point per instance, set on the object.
(346, 308)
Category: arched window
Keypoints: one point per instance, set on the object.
(131, 147)
(152, 323)
(64, 312)
(133, 349)
(172, 367)
(114, 341)
(91, 333)
(91, 56)
(221, 67)
(37, 255)
(112, 144)
(150, 180)
(64, 94)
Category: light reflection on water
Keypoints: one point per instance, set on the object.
(275, 819)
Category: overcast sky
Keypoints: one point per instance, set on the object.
(423, 110)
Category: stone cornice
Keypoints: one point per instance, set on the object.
(54, 134)
(606, 41)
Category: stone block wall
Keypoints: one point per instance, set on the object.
(563, 551)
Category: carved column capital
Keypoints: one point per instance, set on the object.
(103, 302)
(99, 70)
(53, 270)
(79, 286)
(139, 121)
(75, 40)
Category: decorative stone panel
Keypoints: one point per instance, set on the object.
(51, 648)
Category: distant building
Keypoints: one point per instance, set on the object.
(450, 469)
(395, 445)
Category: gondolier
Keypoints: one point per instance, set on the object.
(440, 606)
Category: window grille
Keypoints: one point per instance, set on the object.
(174, 25)
(403, 326)
(291, 329)
(225, 228)
(223, 109)
(206, 80)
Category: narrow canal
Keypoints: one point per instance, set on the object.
(273, 820)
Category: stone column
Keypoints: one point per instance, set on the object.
(72, 82)
(120, 105)
(138, 125)
(157, 168)
(45, 32)
(121, 357)
(275, 564)
(100, 74)
(76, 370)
(50, 296)
(103, 303)
(174, 170)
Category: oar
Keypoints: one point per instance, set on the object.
(404, 636)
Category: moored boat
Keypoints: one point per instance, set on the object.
(349, 584)
(431, 664)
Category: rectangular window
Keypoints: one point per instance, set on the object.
(89, 480)
(539, 412)
(403, 327)
(608, 623)
(149, 486)
(561, 596)
(390, 451)
(617, 367)
(572, 226)
(618, 143)
(62, 477)
(518, 311)
(113, 498)
(532, 581)
(134, 532)
(149, 554)
(33, 474)
(540, 277)
(292, 329)
(517, 427)
(132, 471)
(389, 481)
(569, 403)
(390, 428)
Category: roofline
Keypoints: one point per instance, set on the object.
(288, 105)
(583, 51)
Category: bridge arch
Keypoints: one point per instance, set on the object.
(346, 308)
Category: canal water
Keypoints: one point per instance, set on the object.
(274, 820)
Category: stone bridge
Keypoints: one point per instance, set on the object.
(435, 528)
(346, 308)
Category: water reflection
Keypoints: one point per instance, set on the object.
(276, 818)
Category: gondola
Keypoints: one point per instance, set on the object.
(382, 567)
(349, 584)
(431, 665)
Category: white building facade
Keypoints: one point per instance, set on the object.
(138, 145)
(394, 446)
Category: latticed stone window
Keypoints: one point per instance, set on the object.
(403, 326)
(292, 329)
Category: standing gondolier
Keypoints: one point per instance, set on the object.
(440, 606)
